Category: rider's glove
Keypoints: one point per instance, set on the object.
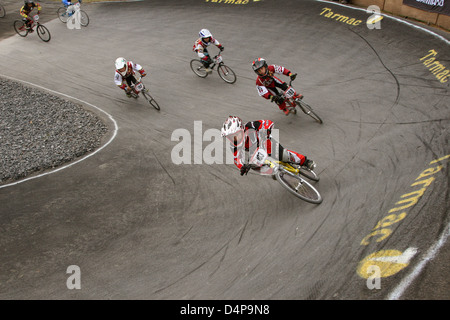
(143, 73)
(292, 76)
(245, 169)
(277, 99)
(221, 48)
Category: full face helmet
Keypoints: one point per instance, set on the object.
(205, 35)
(258, 64)
(122, 66)
(233, 129)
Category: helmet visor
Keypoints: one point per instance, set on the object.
(237, 137)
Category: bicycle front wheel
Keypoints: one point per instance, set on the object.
(43, 33)
(226, 73)
(198, 68)
(150, 99)
(20, 28)
(62, 14)
(306, 108)
(84, 19)
(298, 187)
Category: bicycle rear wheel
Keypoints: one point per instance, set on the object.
(43, 33)
(150, 99)
(62, 14)
(306, 108)
(226, 73)
(298, 187)
(310, 174)
(198, 68)
(20, 28)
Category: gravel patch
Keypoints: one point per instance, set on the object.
(41, 131)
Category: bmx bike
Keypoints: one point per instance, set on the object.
(139, 87)
(293, 99)
(289, 175)
(225, 72)
(22, 30)
(66, 12)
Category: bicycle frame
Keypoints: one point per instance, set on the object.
(290, 94)
(276, 164)
(34, 21)
(139, 85)
(284, 173)
(217, 60)
(260, 158)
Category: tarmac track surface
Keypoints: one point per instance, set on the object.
(141, 227)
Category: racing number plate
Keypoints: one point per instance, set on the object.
(139, 86)
(289, 93)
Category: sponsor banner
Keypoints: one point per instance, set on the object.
(438, 6)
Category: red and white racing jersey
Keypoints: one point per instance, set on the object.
(256, 135)
(132, 69)
(265, 83)
(200, 46)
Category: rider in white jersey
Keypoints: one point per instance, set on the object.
(124, 75)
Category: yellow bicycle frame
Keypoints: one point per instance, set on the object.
(285, 165)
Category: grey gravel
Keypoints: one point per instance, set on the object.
(40, 131)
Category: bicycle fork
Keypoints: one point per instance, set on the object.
(301, 107)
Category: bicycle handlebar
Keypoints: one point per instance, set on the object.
(290, 82)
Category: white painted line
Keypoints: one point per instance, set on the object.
(116, 128)
(393, 18)
(404, 258)
(431, 253)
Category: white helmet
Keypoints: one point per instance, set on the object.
(120, 64)
(233, 129)
(204, 33)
